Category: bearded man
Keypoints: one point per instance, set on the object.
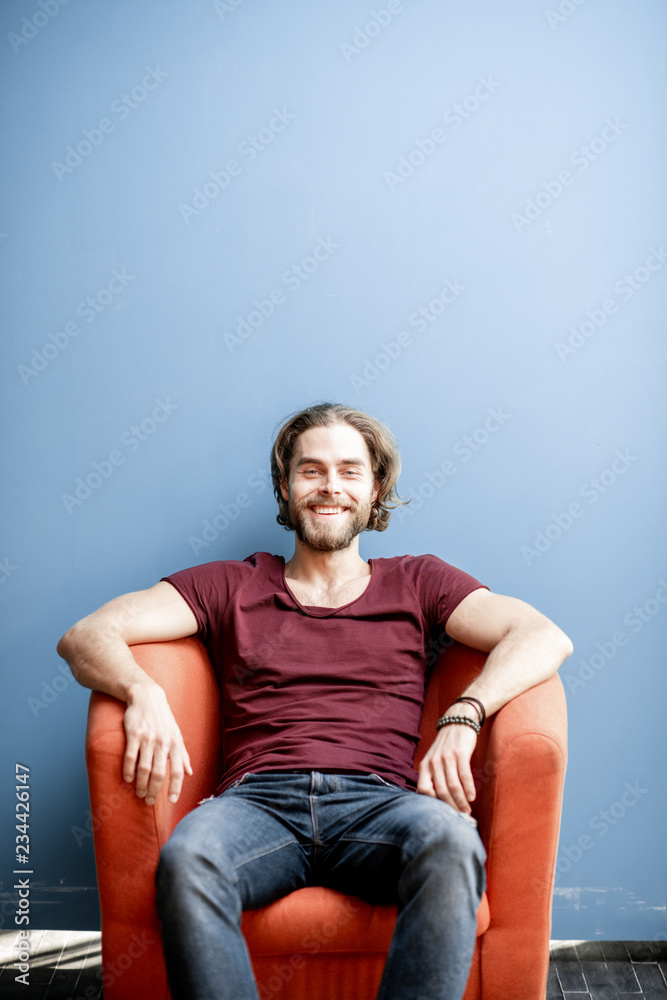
(321, 662)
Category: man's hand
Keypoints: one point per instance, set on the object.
(445, 772)
(524, 647)
(153, 738)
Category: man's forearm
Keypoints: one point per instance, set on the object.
(526, 656)
(100, 659)
(97, 648)
(98, 651)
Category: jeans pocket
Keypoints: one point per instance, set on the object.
(240, 780)
(382, 781)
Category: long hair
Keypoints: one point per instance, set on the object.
(383, 450)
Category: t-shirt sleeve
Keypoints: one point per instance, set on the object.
(442, 587)
(206, 590)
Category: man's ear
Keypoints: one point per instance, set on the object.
(284, 491)
(376, 491)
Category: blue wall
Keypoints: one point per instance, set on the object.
(451, 215)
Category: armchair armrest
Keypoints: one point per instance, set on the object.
(519, 769)
(128, 834)
(520, 798)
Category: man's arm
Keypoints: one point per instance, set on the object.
(96, 649)
(524, 647)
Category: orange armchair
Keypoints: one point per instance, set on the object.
(316, 944)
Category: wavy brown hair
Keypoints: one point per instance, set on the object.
(383, 450)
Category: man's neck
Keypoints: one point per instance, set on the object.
(326, 570)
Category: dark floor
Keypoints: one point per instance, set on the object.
(65, 965)
(605, 970)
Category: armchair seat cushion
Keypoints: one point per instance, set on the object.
(313, 920)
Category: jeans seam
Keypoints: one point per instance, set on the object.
(313, 820)
(246, 859)
(369, 840)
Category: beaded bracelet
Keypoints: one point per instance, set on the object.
(476, 703)
(450, 720)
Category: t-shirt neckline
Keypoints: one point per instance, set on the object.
(317, 612)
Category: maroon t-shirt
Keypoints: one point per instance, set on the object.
(321, 688)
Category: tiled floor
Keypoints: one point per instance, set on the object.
(605, 970)
(65, 965)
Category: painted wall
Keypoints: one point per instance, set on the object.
(452, 215)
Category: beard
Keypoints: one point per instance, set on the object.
(322, 536)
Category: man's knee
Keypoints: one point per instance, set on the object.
(169, 863)
(184, 863)
(172, 865)
(446, 836)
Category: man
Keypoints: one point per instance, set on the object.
(321, 663)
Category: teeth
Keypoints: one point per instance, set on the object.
(328, 510)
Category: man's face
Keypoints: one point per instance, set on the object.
(331, 487)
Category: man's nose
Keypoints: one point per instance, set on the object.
(331, 482)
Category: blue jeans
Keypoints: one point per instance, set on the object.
(277, 831)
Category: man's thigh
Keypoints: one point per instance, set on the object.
(390, 828)
(241, 836)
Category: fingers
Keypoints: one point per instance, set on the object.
(425, 781)
(130, 758)
(180, 766)
(148, 757)
(467, 781)
(175, 782)
(447, 785)
(445, 774)
(151, 777)
(455, 787)
(151, 771)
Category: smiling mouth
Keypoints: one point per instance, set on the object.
(328, 511)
